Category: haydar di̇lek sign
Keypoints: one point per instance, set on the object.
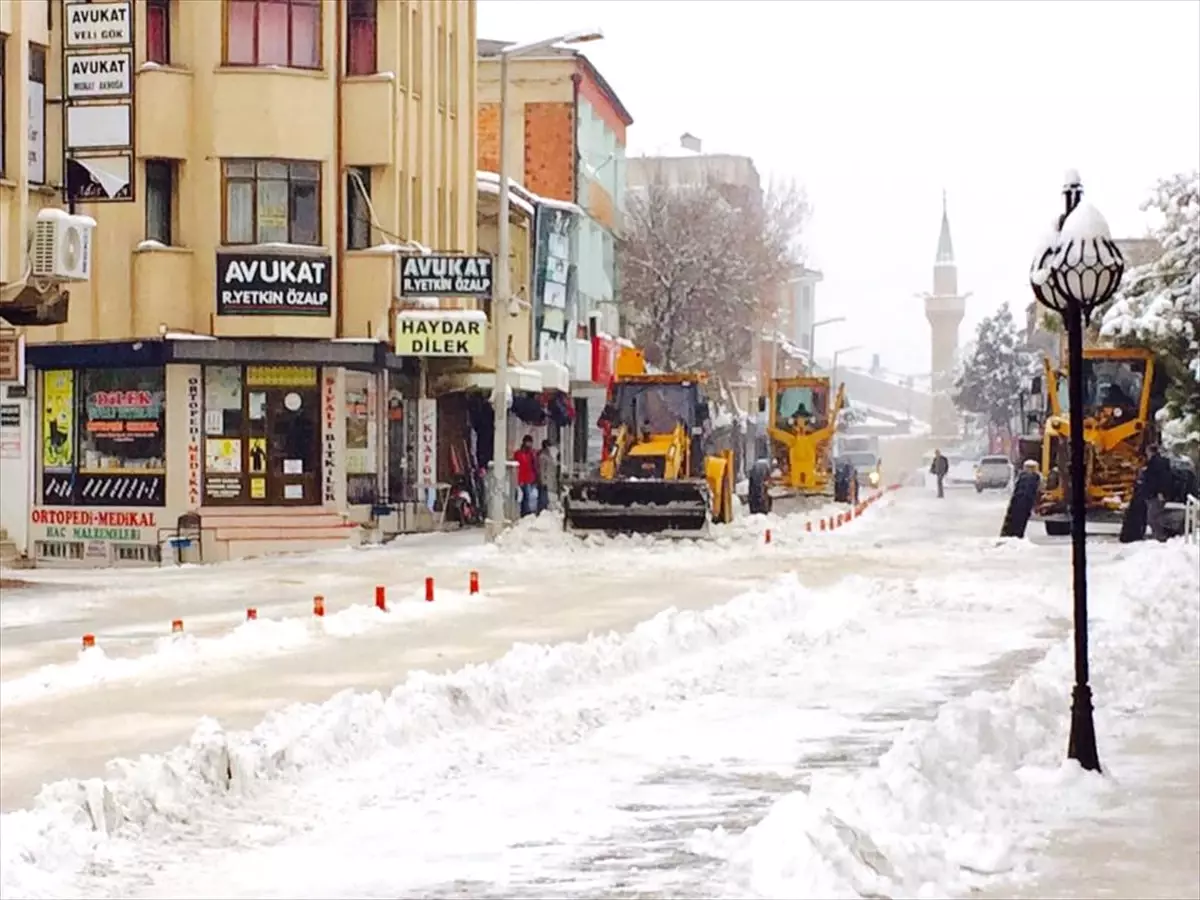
(441, 275)
(448, 332)
(265, 284)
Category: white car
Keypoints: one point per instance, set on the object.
(993, 473)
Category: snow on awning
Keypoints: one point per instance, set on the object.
(513, 197)
(519, 379)
(490, 183)
(459, 315)
(555, 376)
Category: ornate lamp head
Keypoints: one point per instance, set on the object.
(1077, 263)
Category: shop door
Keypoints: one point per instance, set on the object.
(293, 451)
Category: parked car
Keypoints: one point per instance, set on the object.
(994, 473)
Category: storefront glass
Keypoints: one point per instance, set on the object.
(103, 440)
(262, 427)
(362, 438)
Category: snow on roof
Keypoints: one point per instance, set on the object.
(490, 182)
(493, 187)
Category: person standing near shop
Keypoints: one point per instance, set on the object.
(527, 476)
(547, 472)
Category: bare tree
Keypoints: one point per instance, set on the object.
(701, 266)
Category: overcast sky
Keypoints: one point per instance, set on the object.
(876, 107)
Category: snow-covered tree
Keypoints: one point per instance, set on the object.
(993, 370)
(700, 265)
(1159, 305)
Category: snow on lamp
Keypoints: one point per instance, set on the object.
(1077, 263)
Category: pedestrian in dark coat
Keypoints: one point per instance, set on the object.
(938, 469)
(1023, 500)
(1156, 483)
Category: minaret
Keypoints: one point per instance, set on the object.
(944, 309)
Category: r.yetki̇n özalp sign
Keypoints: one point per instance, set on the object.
(444, 275)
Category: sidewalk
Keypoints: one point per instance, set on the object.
(1147, 843)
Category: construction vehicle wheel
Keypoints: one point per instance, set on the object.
(760, 497)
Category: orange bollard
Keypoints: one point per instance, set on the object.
(89, 641)
(767, 536)
(251, 614)
(318, 605)
(176, 625)
(428, 590)
(474, 582)
(381, 597)
(823, 524)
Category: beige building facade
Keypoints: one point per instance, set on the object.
(258, 172)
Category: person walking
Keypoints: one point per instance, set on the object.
(1156, 484)
(547, 472)
(1023, 500)
(527, 476)
(938, 469)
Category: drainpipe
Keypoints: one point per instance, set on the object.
(339, 175)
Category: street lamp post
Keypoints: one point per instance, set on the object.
(812, 339)
(496, 508)
(1077, 269)
(833, 384)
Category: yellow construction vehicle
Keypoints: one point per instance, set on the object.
(798, 470)
(654, 476)
(1123, 389)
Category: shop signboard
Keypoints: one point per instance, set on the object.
(447, 332)
(427, 458)
(12, 357)
(96, 528)
(273, 284)
(604, 359)
(445, 275)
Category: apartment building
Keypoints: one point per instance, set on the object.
(258, 171)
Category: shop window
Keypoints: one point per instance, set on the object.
(160, 191)
(262, 428)
(273, 33)
(358, 208)
(272, 201)
(360, 37)
(103, 440)
(362, 438)
(158, 31)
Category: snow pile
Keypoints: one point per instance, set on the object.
(81, 826)
(180, 652)
(960, 800)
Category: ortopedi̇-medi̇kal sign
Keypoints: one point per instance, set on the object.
(270, 284)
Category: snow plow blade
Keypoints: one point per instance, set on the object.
(650, 506)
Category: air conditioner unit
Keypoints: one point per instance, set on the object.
(62, 246)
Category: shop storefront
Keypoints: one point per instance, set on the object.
(270, 442)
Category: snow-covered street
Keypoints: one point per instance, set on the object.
(879, 710)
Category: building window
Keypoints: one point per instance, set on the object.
(36, 93)
(160, 191)
(273, 33)
(443, 60)
(158, 31)
(360, 37)
(272, 201)
(416, 51)
(103, 437)
(358, 209)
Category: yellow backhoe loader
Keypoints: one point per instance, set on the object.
(799, 471)
(654, 477)
(1123, 388)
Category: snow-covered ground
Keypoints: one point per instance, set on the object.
(879, 710)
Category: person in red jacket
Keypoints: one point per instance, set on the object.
(527, 478)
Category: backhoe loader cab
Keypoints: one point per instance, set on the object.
(1123, 388)
(654, 476)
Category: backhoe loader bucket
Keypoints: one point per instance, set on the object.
(642, 506)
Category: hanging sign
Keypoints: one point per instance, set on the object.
(427, 423)
(97, 24)
(444, 275)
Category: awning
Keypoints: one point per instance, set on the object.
(519, 379)
(555, 376)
